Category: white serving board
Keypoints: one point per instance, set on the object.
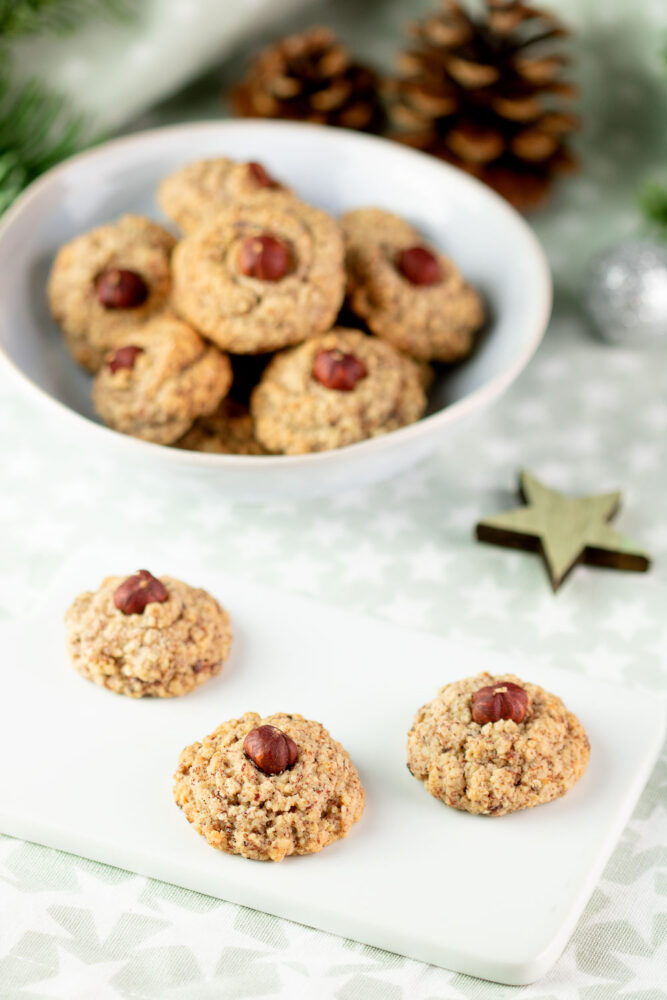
(491, 897)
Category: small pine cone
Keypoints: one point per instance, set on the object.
(484, 94)
(310, 77)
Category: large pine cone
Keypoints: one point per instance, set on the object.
(484, 94)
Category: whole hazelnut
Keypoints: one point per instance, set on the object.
(261, 176)
(120, 289)
(419, 266)
(499, 701)
(123, 357)
(336, 370)
(270, 749)
(133, 594)
(264, 257)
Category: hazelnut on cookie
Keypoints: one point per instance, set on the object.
(408, 293)
(142, 635)
(493, 745)
(269, 787)
(334, 390)
(194, 193)
(159, 379)
(107, 281)
(261, 276)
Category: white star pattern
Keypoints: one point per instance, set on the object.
(325, 532)
(255, 542)
(365, 562)
(78, 980)
(205, 933)
(628, 617)
(640, 898)
(28, 915)
(390, 524)
(487, 598)
(604, 662)
(643, 971)
(108, 901)
(406, 611)
(301, 572)
(428, 562)
(552, 616)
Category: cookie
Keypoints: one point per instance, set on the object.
(261, 276)
(108, 281)
(524, 750)
(334, 390)
(288, 788)
(143, 636)
(229, 430)
(192, 195)
(408, 294)
(159, 379)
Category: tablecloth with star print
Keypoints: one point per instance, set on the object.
(585, 417)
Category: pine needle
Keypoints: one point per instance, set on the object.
(653, 201)
(29, 17)
(36, 131)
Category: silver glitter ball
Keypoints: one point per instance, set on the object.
(626, 293)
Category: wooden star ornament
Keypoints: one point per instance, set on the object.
(564, 530)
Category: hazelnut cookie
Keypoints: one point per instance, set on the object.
(229, 430)
(267, 788)
(333, 390)
(493, 745)
(107, 281)
(408, 294)
(147, 636)
(158, 379)
(192, 195)
(261, 276)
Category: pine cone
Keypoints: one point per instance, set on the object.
(310, 77)
(484, 95)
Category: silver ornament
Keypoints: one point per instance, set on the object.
(626, 293)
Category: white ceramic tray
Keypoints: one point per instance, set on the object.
(497, 898)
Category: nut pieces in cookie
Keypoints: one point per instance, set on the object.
(307, 801)
(295, 410)
(407, 293)
(499, 701)
(132, 596)
(142, 636)
(159, 380)
(107, 282)
(193, 194)
(261, 275)
(516, 748)
(336, 370)
(271, 750)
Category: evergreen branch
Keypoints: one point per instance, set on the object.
(653, 201)
(653, 194)
(29, 17)
(36, 131)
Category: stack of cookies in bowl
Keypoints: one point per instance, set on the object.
(232, 339)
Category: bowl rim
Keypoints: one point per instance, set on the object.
(472, 401)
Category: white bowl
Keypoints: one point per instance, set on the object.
(334, 169)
